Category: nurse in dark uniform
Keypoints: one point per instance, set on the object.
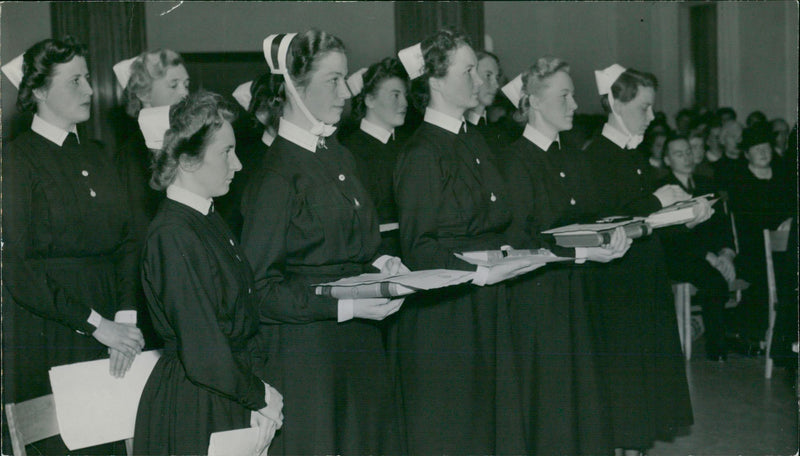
(151, 79)
(642, 367)
(308, 219)
(381, 107)
(553, 340)
(255, 131)
(69, 257)
(500, 132)
(199, 291)
(457, 395)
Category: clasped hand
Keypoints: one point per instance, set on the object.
(124, 342)
(617, 246)
(269, 419)
(702, 211)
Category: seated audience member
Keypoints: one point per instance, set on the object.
(731, 161)
(714, 149)
(697, 145)
(683, 121)
(704, 255)
(780, 143)
(700, 124)
(726, 114)
(761, 199)
(652, 147)
(755, 117)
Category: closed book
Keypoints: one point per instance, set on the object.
(365, 291)
(596, 234)
(678, 213)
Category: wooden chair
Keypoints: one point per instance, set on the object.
(774, 241)
(34, 420)
(683, 293)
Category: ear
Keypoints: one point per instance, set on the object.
(369, 100)
(40, 94)
(435, 84)
(144, 98)
(188, 165)
(535, 102)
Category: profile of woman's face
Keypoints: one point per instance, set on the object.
(555, 103)
(638, 112)
(388, 103)
(326, 91)
(170, 89)
(489, 74)
(214, 174)
(66, 101)
(460, 86)
(759, 155)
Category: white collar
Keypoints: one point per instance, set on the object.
(376, 131)
(444, 121)
(473, 117)
(50, 132)
(267, 138)
(537, 137)
(614, 135)
(189, 198)
(297, 135)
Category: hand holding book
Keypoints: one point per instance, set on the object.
(617, 246)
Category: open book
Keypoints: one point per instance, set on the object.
(380, 285)
(597, 234)
(678, 213)
(490, 258)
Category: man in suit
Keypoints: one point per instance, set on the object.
(702, 256)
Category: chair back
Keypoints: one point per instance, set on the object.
(31, 421)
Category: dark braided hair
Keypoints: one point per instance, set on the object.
(39, 63)
(387, 68)
(437, 51)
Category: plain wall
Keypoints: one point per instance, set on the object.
(590, 36)
(768, 34)
(367, 28)
(21, 25)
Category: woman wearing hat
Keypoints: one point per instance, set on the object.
(380, 107)
(69, 256)
(458, 389)
(761, 199)
(199, 291)
(640, 358)
(553, 343)
(309, 220)
(150, 80)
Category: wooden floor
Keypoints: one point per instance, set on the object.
(736, 410)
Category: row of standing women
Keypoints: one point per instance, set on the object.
(569, 359)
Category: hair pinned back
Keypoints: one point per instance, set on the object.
(306, 50)
(38, 66)
(387, 68)
(267, 97)
(437, 50)
(193, 123)
(626, 87)
(148, 67)
(534, 79)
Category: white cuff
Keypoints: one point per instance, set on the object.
(663, 203)
(481, 276)
(381, 261)
(345, 309)
(580, 255)
(125, 316)
(94, 319)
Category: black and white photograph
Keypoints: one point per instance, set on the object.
(251, 228)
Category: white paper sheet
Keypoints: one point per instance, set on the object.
(428, 279)
(480, 258)
(92, 406)
(238, 442)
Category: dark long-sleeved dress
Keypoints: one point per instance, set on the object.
(67, 249)
(308, 219)
(458, 391)
(553, 338)
(641, 364)
(200, 293)
(375, 164)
